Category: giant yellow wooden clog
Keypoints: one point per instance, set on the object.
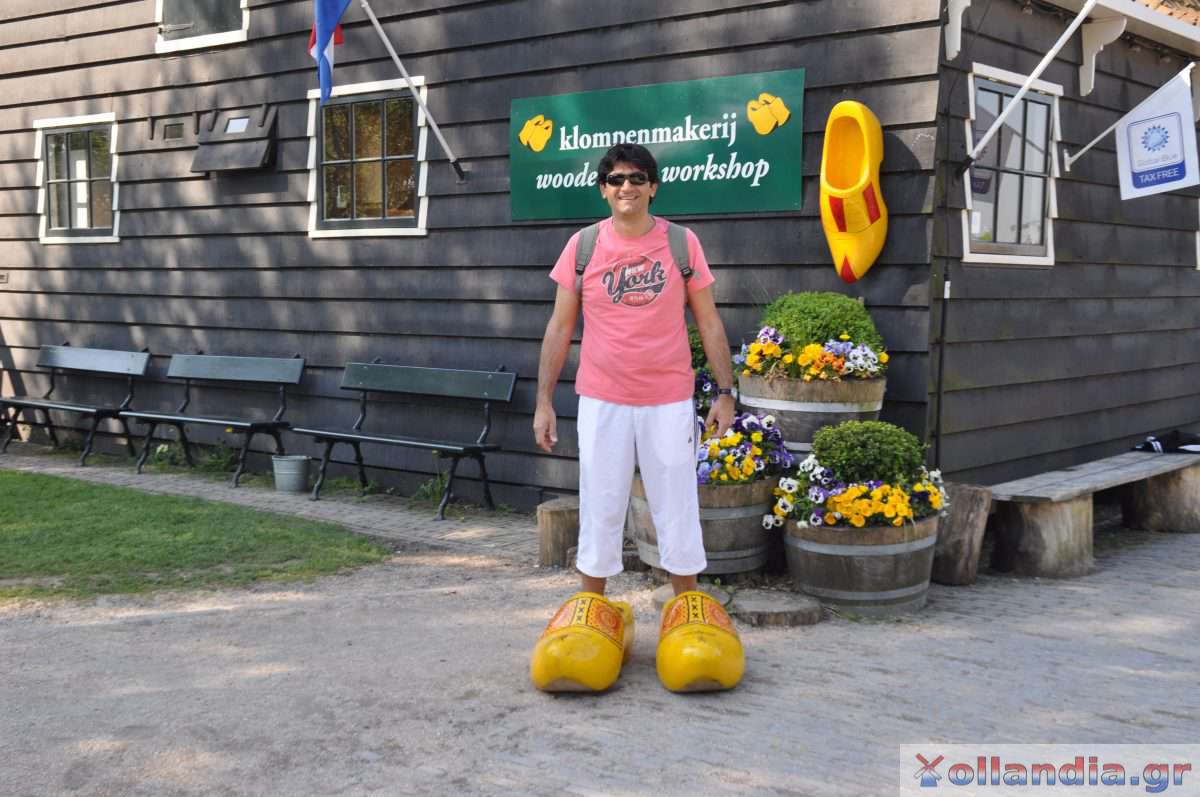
(584, 646)
(853, 213)
(698, 647)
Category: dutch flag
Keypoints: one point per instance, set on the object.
(326, 33)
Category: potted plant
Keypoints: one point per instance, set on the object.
(861, 518)
(737, 474)
(818, 360)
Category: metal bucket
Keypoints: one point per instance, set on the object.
(291, 473)
(802, 408)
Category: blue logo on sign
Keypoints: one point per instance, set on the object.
(1155, 138)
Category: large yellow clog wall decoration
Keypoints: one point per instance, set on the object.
(536, 132)
(853, 213)
(767, 113)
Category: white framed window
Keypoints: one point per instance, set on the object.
(1010, 188)
(195, 24)
(366, 161)
(78, 194)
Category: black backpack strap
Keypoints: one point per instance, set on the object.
(677, 240)
(585, 247)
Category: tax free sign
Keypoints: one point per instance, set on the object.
(723, 145)
(1156, 142)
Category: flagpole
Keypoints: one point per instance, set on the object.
(1068, 158)
(458, 169)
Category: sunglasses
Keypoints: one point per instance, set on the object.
(617, 179)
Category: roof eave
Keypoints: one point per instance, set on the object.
(1145, 23)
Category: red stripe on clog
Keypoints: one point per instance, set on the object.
(872, 203)
(847, 273)
(838, 210)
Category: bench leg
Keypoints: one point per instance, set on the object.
(316, 493)
(241, 465)
(441, 513)
(11, 432)
(362, 473)
(87, 443)
(1049, 540)
(150, 427)
(128, 437)
(279, 450)
(1170, 502)
(487, 491)
(50, 428)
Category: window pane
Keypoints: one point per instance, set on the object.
(399, 127)
(368, 190)
(1011, 142)
(78, 155)
(79, 205)
(983, 205)
(987, 108)
(101, 203)
(60, 217)
(336, 129)
(337, 192)
(368, 130)
(401, 188)
(183, 19)
(1037, 125)
(56, 156)
(1032, 211)
(1007, 198)
(101, 158)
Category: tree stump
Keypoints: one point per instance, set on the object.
(1050, 539)
(1170, 502)
(960, 534)
(558, 531)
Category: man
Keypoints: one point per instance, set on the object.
(635, 386)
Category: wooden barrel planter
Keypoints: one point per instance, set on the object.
(730, 518)
(875, 571)
(801, 408)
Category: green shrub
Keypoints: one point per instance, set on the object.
(697, 346)
(817, 317)
(862, 451)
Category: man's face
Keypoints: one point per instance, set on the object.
(628, 200)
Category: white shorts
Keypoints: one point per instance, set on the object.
(662, 440)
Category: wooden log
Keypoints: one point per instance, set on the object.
(960, 534)
(1049, 540)
(1170, 502)
(558, 531)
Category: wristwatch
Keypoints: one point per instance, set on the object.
(724, 391)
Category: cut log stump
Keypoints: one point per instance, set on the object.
(558, 531)
(960, 534)
(1170, 502)
(1050, 539)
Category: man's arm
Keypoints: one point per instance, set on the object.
(716, 349)
(555, 345)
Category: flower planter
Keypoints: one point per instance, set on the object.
(801, 408)
(730, 518)
(875, 571)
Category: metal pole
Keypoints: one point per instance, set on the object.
(1068, 158)
(462, 176)
(1016, 100)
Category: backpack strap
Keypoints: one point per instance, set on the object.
(677, 240)
(584, 249)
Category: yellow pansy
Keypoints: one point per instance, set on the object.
(883, 356)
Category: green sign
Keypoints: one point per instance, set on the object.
(723, 145)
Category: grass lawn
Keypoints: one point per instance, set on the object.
(61, 537)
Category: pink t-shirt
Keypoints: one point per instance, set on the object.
(635, 346)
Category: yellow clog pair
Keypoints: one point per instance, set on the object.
(590, 637)
(853, 213)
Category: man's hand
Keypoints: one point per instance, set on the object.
(720, 415)
(545, 427)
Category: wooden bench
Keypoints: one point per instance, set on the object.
(1043, 523)
(376, 377)
(279, 371)
(94, 362)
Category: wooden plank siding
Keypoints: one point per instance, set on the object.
(1050, 367)
(225, 264)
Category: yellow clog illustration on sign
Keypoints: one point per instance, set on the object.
(536, 132)
(852, 209)
(584, 645)
(698, 647)
(767, 112)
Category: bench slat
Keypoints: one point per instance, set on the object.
(167, 417)
(1068, 483)
(482, 385)
(412, 442)
(276, 370)
(106, 361)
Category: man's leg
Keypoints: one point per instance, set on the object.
(666, 451)
(606, 456)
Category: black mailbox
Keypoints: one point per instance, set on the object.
(236, 141)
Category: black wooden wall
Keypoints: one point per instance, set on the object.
(225, 264)
(1050, 367)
